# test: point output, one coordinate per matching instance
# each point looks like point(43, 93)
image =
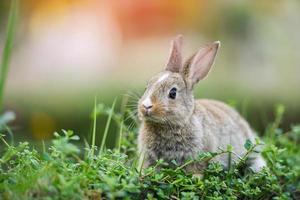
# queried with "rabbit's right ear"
point(174, 63)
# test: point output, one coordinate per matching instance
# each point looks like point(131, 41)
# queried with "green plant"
point(11, 26)
point(66, 171)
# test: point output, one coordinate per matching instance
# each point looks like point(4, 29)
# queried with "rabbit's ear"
point(198, 66)
point(174, 63)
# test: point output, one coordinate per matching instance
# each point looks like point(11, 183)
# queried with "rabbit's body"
point(212, 126)
point(177, 127)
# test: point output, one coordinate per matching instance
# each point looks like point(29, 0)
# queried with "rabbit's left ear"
point(198, 66)
point(174, 63)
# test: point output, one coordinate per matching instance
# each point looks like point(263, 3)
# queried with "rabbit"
point(175, 126)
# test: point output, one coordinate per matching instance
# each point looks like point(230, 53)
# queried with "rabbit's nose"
point(148, 107)
point(147, 104)
point(147, 111)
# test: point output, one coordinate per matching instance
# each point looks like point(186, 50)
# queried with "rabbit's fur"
point(178, 129)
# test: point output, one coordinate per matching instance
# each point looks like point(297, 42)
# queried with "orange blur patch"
point(42, 126)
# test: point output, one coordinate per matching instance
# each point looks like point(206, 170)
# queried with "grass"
point(107, 126)
point(65, 170)
point(6, 117)
point(11, 26)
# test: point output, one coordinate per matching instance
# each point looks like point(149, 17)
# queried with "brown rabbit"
point(175, 126)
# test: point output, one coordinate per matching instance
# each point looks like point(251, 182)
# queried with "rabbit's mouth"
point(151, 114)
point(152, 119)
point(147, 114)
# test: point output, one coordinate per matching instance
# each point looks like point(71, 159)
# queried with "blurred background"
point(66, 52)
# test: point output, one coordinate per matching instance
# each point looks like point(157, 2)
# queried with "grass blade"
point(94, 127)
point(120, 136)
point(107, 126)
point(11, 27)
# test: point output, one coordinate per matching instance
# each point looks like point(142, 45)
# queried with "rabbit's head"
point(168, 98)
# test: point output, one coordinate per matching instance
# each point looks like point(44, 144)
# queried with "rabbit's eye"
point(172, 93)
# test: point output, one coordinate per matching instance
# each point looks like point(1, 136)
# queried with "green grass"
point(65, 170)
point(7, 117)
point(6, 55)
